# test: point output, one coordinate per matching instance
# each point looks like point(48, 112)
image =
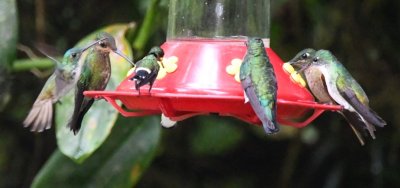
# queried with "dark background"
point(217, 151)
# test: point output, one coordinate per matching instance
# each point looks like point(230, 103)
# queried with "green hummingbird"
point(146, 69)
point(259, 83)
point(332, 83)
point(312, 74)
point(316, 84)
point(57, 85)
point(95, 74)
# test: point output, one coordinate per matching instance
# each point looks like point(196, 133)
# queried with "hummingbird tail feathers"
point(358, 134)
point(375, 119)
point(364, 110)
point(357, 125)
point(263, 108)
point(77, 118)
point(269, 126)
point(40, 117)
point(266, 115)
point(371, 129)
point(76, 123)
point(82, 105)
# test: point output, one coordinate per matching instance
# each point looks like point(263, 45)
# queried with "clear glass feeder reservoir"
point(204, 48)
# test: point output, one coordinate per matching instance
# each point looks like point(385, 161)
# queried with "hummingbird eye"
point(315, 59)
point(73, 55)
point(305, 55)
point(103, 44)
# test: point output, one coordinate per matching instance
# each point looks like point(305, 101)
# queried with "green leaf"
point(147, 26)
point(120, 162)
point(101, 117)
point(8, 42)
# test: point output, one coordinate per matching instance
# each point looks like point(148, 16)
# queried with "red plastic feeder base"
point(201, 85)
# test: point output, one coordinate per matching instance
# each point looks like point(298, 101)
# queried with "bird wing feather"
point(364, 110)
point(263, 113)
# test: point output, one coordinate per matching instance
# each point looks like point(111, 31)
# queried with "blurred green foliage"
point(220, 151)
point(119, 163)
point(8, 35)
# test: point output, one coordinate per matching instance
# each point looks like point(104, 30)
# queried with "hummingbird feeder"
point(203, 52)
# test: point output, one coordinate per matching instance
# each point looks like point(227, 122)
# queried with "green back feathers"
point(344, 79)
point(255, 47)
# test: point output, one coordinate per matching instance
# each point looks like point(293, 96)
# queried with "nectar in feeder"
point(207, 39)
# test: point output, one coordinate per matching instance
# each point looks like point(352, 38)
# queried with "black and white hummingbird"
point(147, 68)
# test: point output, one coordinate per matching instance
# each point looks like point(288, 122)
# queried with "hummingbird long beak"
point(304, 67)
point(161, 61)
point(92, 44)
point(118, 52)
point(296, 62)
point(302, 64)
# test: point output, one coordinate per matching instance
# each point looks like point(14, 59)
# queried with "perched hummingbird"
point(330, 82)
point(258, 80)
point(57, 85)
point(95, 74)
point(312, 74)
point(146, 70)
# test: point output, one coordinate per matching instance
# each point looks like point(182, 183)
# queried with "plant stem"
point(28, 64)
point(40, 20)
point(147, 26)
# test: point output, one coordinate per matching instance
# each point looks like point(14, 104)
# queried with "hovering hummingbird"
point(57, 85)
point(95, 74)
point(258, 80)
point(330, 82)
point(146, 70)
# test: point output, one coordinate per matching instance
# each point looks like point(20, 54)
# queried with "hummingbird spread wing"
point(64, 85)
point(40, 117)
point(41, 114)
